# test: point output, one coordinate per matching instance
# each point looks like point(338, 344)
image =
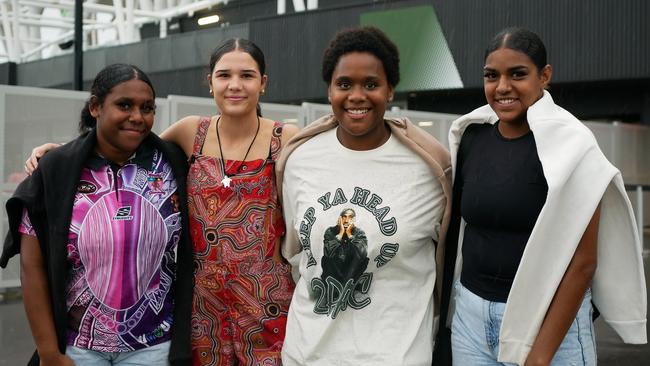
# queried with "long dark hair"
point(104, 82)
point(244, 45)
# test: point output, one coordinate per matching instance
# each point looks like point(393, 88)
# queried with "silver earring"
point(210, 91)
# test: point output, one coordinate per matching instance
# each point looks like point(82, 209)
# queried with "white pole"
point(146, 5)
point(4, 54)
point(16, 30)
point(298, 5)
point(6, 27)
point(119, 20)
point(282, 6)
point(158, 5)
point(312, 4)
point(163, 28)
point(130, 27)
point(33, 32)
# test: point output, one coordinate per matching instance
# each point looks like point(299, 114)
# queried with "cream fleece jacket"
point(579, 177)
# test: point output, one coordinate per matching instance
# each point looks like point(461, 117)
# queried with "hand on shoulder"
point(37, 153)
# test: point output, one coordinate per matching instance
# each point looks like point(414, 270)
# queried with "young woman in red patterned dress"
point(242, 286)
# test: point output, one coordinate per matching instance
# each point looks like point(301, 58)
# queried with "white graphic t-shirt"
point(366, 221)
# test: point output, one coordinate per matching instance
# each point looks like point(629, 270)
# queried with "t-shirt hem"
point(135, 347)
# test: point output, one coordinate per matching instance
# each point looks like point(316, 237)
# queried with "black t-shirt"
point(503, 191)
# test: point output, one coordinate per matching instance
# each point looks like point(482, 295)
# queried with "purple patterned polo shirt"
point(123, 235)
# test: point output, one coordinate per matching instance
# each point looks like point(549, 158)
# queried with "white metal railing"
point(33, 29)
point(30, 27)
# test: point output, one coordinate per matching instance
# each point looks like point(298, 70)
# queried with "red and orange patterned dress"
point(241, 294)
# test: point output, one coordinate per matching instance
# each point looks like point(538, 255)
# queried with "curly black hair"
point(362, 39)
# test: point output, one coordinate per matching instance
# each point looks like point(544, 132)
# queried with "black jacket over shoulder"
point(48, 196)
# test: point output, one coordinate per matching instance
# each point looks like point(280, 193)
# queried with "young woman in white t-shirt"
point(365, 202)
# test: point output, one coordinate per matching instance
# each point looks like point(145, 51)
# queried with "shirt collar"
point(142, 157)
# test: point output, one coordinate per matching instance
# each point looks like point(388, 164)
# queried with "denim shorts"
point(475, 333)
point(151, 356)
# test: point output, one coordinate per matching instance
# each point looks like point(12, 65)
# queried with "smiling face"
point(236, 83)
point(513, 83)
point(124, 119)
point(359, 93)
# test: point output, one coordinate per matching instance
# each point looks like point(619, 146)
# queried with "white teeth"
point(505, 101)
point(357, 111)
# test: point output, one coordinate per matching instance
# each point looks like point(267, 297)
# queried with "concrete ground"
point(16, 343)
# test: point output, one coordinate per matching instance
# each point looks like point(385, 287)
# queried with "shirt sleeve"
point(28, 194)
point(291, 246)
point(25, 226)
point(290, 242)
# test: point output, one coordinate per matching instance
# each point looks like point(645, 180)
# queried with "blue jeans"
point(477, 322)
point(150, 356)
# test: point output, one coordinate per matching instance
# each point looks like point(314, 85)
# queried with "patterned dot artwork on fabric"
point(242, 293)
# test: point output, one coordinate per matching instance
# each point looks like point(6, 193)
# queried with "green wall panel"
point(425, 60)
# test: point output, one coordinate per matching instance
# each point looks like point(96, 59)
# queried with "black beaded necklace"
point(226, 179)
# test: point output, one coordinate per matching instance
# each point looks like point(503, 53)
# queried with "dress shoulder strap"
point(201, 132)
point(276, 140)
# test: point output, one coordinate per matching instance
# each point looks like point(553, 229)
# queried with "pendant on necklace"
point(226, 181)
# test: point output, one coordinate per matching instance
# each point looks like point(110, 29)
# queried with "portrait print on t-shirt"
point(346, 277)
point(345, 250)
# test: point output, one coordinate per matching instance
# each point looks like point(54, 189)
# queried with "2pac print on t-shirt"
point(346, 277)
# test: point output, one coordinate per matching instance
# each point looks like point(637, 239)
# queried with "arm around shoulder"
point(182, 133)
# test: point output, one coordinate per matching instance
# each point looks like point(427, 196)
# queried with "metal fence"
point(32, 116)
